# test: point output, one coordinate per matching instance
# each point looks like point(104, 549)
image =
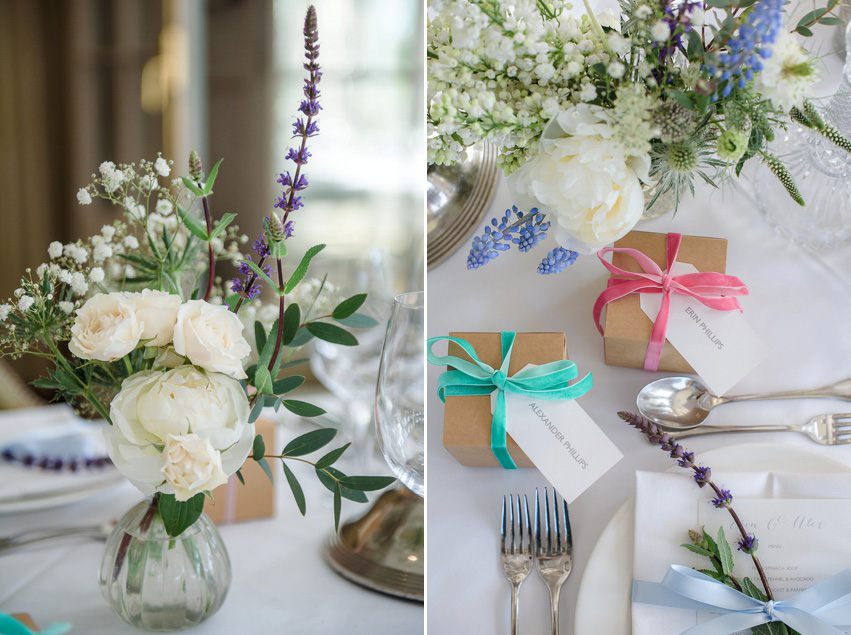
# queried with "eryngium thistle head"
point(196, 170)
point(276, 228)
point(732, 144)
point(682, 159)
point(673, 121)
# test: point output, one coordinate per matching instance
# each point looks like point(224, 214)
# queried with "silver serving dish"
point(457, 198)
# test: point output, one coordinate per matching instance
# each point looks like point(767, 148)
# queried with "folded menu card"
point(800, 520)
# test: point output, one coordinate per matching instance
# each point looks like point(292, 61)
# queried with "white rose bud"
point(106, 328)
point(157, 310)
point(191, 465)
point(211, 337)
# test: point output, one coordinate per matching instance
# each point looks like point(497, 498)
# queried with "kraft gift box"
point(467, 419)
point(626, 329)
point(235, 502)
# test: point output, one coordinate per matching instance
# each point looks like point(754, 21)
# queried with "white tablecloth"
point(799, 303)
point(281, 583)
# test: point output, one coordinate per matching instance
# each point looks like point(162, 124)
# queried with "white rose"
point(584, 179)
point(211, 337)
point(157, 311)
point(106, 328)
point(154, 405)
point(191, 465)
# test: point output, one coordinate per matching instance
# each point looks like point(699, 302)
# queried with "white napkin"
point(668, 505)
point(19, 483)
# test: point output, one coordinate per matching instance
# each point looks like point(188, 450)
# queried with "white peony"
point(589, 185)
point(153, 406)
point(106, 328)
point(210, 336)
point(786, 75)
point(191, 465)
point(157, 310)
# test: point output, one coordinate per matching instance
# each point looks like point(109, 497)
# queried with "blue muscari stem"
point(557, 261)
point(526, 231)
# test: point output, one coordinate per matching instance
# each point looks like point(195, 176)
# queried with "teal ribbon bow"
point(548, 382)
point(816, 611)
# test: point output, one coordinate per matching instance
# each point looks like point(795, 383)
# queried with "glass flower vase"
point(822, 172)
point(158, 583)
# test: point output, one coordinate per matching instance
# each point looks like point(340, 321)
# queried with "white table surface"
point(800, 304)
point(281, 583)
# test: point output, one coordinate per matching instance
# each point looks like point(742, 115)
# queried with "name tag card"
point(719, 345)
point(563, 442)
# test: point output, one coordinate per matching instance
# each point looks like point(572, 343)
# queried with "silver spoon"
point(683, 403)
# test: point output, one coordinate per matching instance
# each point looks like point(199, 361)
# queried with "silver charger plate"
point(457, 198)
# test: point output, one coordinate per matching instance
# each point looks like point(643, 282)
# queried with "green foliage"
point(346, 308)
point(302, 268)
point(309, 442)
point(176, 515)
point(358, 321)
point(332, 333)
point(302, 408)
point(259, 448)
point(292, 320)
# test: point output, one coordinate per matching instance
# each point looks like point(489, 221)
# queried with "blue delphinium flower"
point(747, 47)
point(557, 261)
point(724, 499)
point(533, 231)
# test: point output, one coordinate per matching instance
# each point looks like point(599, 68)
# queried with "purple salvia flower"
point(289, 228)
point(702, 475)
point(236, 285)
point(260, 247)
point(724, 499)
point(303, 127)
point(749, 544)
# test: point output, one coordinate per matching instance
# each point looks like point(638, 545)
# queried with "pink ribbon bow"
point(713, 290)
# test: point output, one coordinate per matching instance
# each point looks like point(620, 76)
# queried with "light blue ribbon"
point(547, 382)
point(816, 611)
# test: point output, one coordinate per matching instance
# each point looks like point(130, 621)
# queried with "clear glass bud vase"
point(162, 584)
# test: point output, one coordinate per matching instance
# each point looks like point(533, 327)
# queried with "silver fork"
point(830, 429)
point(30, 536)
point(554, 551)
point(516, 549)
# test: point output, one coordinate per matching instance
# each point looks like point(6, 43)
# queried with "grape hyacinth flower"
point(702, 476)
point(525, 231)
point(557, 261)
point(747, 47)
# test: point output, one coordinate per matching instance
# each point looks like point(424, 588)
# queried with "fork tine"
point(538, 544)
point(511, 516)
point(528, 525)
point(558, 544)
point(502, 533)
point(549, 522)
point(568, 534)
point(519, 526)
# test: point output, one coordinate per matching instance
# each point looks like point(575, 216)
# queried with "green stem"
point(59, 358)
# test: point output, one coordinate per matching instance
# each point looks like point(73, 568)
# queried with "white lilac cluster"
point(181, 427)
point(502, 72)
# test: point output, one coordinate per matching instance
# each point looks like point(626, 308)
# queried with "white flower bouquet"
point(589, 111)
point(141, 332)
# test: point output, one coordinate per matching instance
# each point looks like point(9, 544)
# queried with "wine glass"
point(400, 394)
point(350, 372)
